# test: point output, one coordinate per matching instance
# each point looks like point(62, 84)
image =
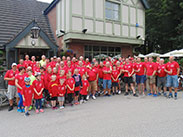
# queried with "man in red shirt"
point(21, 61)
point(100, 77)
point(140, 70)
point(107, 72)
point(12, 91)
point(81, 68)
point(151, 79)
point(119, 69)
point(172, 69)
point(92, 78)
point(128, 71)
point(161, 80)
point(33, 62)
point(27, 62)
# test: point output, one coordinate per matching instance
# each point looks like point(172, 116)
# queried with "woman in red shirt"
point(70, 83)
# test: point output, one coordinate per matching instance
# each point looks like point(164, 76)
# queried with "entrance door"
point(32, 52)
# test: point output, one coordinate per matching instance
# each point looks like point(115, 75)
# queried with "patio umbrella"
point(152, 55)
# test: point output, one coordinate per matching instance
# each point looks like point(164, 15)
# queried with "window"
point(112, 11)
point(101, 51)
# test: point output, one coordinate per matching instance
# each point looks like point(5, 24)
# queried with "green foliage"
point(164, 25)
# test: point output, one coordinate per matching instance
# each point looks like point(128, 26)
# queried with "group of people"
point(59, 81)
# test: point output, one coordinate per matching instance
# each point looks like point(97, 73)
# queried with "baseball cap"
point(37, 74)
point(54, 57)
point(27, 79)
point(14, 64)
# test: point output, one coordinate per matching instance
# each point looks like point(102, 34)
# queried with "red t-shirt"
point(129, 68)
point(27, 92)
point(20, 65)
point(71, 69)
point(21, 82)
point(172, 67)
point(27, 63)
point(38, 85)
point(61, 90)
point(161, 68)
point(70, 82)
point(33, 64)
point(115, 74)
point(151, 67)
point(140, 66)
point(11, 74)
point(47, 79)
point(100, 72)
point(36, 69)
point(53, 88)
point(82, 70)
point(92, 73)
point(85, 87)
point(119, 68)
point(108, 75)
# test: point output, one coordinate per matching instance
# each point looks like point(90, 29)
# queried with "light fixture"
point(35, 32)
point(84, 30)
point(62, 31)
point(138, 37)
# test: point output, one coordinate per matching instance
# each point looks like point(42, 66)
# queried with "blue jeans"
point(106, 83)
point(38, 103)
point(140, 79)
point(20, 103)
point(172, 81)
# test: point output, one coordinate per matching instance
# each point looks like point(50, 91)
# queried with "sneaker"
point(126, 93)
point(19, 110)
point(170, 95)
point(143, 94)
point(23, 110)
point(150, 94)
point(164, 94)
point(41, 110)
point(37, 111)
point(84, 101)
point(119, 92)
point(62, 107)
point(10, 108)
point(81, 102)
point(175, 96)
point(87, 97)
point(155, 95)
point(135, 95)
point(27, 114)
point(76, 103)
point(30, 108)
point(93, 97)
point(159, 94)
point(109, 95)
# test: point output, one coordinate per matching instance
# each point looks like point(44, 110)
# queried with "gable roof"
point(54, 2)
point(15, 15)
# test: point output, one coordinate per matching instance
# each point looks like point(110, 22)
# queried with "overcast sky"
point(48, 1)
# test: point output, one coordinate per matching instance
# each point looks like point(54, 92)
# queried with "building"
point(17, 17)
point(94, 27)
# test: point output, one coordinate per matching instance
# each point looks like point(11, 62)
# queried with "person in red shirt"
point(92, 74)
point(128, 71)
point(27, 62)
point(19, 82)
point(107, 72)
point(115, 80)
point(33, 62)
point(27, 95)
point(70, 83)
point(87, 62)
point(140, 70)
point(119, 69)
point(69, 68)
point(61, 92)
point(36, 68)
point(81, 68)
point(100, 77)
point(21, 61)
point(172, 70)
point(53, 90)
point(161, 80)
point(84, 89)
point(151, 68)
point(38, 87)
point(12, 91)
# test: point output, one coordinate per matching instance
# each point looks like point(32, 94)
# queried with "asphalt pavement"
point(116, 116)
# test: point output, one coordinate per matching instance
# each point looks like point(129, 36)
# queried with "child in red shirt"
point(61, 92)
point(38, 87)
point(115, 79)
point(27, 94)
point(53, 89)
point(84, 89)
point(70, 83)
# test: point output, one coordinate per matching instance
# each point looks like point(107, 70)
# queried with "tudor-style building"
point(17, 18)
point(94, 27)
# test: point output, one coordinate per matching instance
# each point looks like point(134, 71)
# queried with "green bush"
point(1, 53)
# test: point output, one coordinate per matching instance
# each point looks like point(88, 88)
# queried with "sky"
point(48, 1)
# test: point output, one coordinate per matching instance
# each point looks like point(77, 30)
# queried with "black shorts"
point(53, 98)
point(128, 80)
point(76, 93)
point(114, 84)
